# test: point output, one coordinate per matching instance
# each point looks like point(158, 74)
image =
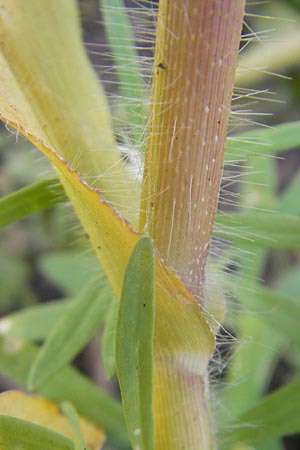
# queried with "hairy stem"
point(195, 58)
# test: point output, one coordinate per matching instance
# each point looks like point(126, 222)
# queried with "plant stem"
point(195, 58)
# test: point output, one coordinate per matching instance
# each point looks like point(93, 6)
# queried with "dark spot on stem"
point(161, 66)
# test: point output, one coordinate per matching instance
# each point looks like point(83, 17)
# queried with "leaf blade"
point(109, 342)
point(45, 413)
point(14, 432)
point(263, 141)
point(268, 230)
point(91, 402)
point(126, 64)
point(70, 334)
point(277, 310)
point(18, 325)
point(134, 344)
point(63, 93)
point(276, 415)
point(36, 197)
point(71, 414)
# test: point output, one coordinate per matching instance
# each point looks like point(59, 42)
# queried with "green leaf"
point(69, 269)
point(276, 415)
point(33, 323)
point(134, 344)
point(289, 282)
point(36, 197)
point(24, 435)
point(263, 141)
point(289, 199)
point(67, 385)
point(272, 445)
point(109, 341)
point(263, 229)
point(70, 412)
point(126, 63)
point(280, 311)
point(14, 275)
point(71, 333)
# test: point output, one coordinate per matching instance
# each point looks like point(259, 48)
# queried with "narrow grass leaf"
point(126, 63)
point(71, 414)
point(14, 275)
point(18, 433)
point(272, 445)
point(268, 230)
point(45, 413)
point(258, 316)
point(134, 344)
point(71, 333)
point(70, 270)
point(33, 323)
point(289, 199)
point(36, 197)
point(109, 341)
point(264, 141)
point(276, 415)
point(279, 311)
point(67, 385)
point(289, 282)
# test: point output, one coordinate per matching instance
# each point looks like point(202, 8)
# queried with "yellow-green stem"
point(195, 58)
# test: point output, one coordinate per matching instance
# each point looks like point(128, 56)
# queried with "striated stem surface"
point(195, 58)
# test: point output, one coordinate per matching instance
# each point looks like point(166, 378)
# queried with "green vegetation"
point(136, 312)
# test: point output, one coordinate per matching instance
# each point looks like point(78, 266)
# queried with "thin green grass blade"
point(261, 229)
point(126, 63)
point(289, 200)
point(134, 344)
point(272, 445)
point(36, 197)
point(14, 274)
point(276, 415)
point(70, 412)
point(24, 435)
point(264, 141)
point(289, 282)
point(70, 270)
point(279, 311)
point(71, 333)
point(289, 285)
point(252, 329)
point(33, 323)
point(109, 342)
point(67, 385)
